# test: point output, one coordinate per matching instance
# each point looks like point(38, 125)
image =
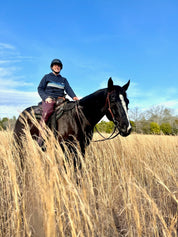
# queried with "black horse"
point(79, 118)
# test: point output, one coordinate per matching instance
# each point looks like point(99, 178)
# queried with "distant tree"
point(175, 126)
point(104, 126)
point(101, 126)
point(166, 128)
point(145, 127)
point(136, 116)
point(154, 128)
point(3, 123)
point(133, 126)
point(157, 114)
point(7, 123)
point(167, 116)
point(109, 127)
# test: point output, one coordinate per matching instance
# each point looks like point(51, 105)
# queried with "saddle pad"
point(59, 110)
point(64, 107)
point(38, 111)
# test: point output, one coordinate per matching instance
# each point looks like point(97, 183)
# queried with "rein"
point(106, 138)
point(115, 122)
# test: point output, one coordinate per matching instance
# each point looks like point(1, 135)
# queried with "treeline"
point(7, 123)
point(157, 120)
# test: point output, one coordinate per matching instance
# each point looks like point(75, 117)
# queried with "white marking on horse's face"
point(125, 109)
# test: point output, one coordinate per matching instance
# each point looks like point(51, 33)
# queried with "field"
point(127, 187)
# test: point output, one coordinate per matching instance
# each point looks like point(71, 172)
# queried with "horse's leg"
point(82, 147)
point(19, 135)
point(70, 151)
point(72, 147)
point(65, 154)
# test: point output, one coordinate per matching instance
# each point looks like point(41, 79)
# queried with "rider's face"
point(56, 68)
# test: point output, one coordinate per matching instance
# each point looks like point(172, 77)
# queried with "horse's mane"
point(93, 95)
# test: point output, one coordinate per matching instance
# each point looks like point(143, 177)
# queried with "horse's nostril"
point(125, 127)
point(129, 130)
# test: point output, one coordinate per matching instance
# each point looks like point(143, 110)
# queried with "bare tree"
point(157, 114)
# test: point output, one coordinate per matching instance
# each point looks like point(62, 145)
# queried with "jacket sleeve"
point(69, 90)
point(42, 87)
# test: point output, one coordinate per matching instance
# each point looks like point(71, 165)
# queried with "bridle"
point(109, 107)
point(114, 121)
point(107, 104)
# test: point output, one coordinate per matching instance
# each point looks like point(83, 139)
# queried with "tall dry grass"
point(127, 187)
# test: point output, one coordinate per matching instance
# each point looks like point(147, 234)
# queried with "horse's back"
point(20, 123)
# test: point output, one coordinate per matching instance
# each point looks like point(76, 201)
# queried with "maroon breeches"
point(48, 109)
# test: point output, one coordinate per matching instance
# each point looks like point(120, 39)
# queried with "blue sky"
point(95, 39)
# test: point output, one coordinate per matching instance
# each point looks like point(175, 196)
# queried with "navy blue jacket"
point(54, 86)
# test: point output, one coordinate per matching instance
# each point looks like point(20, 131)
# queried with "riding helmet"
point(58, 62)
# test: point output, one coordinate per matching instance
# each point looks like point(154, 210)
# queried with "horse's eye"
point(112, 99)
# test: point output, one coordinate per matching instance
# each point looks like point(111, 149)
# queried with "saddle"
point(61, 106)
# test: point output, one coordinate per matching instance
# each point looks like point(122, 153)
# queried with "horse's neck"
point(93, 106)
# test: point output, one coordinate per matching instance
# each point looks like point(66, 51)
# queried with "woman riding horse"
point(79, 118)
point(51, 88)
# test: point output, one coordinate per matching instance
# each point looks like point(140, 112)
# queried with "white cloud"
point(6, 46)
point(9, 111)
point(13, 97)
point(172, 104)
point(11, 83)
point(12, 102)
point(144, 99)
point(17, 97)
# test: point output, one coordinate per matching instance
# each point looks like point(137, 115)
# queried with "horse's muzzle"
point(124, 132)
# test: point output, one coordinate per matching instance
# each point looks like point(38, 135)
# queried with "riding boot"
point(48, 109)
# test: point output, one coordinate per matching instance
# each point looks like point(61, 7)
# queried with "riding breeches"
point(48, 109)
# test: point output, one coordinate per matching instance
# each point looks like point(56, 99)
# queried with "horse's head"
point(117, 103)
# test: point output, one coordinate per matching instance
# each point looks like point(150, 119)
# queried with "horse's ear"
point(110, 84)
point(125, 87)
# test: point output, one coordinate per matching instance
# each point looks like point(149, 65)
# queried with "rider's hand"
point(49, 100)
point(75, 98)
